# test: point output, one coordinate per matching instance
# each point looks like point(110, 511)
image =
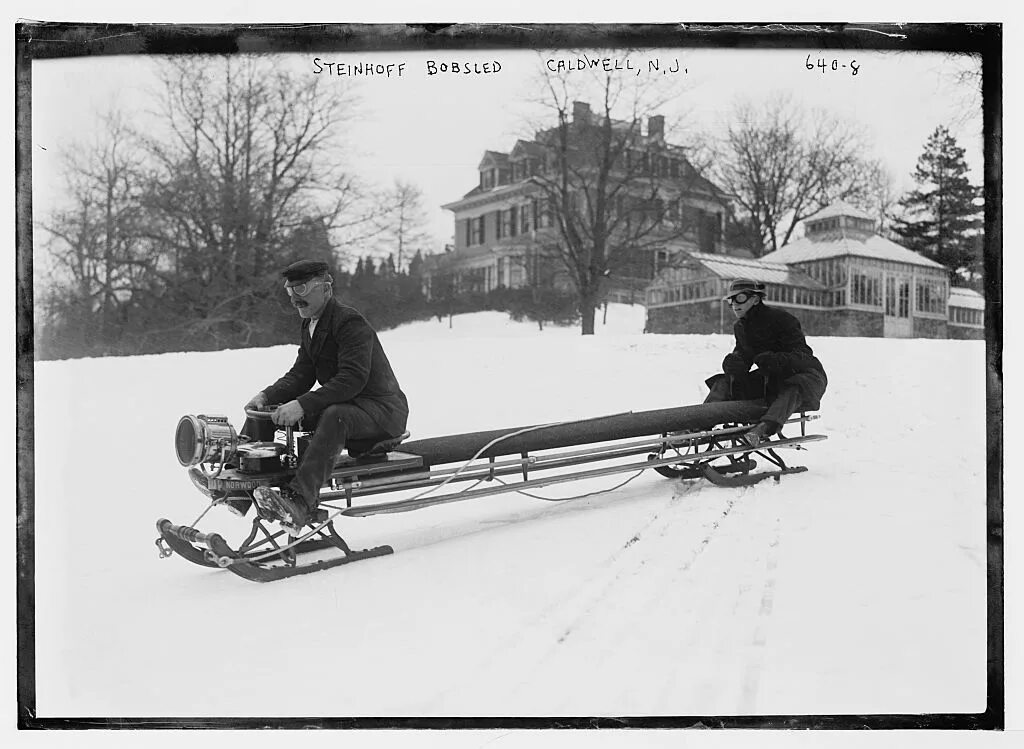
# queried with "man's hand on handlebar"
point(257, 403)
point(289, 414)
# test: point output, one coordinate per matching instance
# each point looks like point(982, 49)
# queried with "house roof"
point(494, 157)
point(968, 298)
point(527, 148)
point(840, 244)
point(730, 267)
point(492, 194)
point(840, 208)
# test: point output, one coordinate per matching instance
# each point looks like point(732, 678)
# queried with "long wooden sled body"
point(703, 442)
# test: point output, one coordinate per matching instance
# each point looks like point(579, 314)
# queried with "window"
point(525, 214)
point(673, 210)
point(657, 208)
point(546, 217)
point(710, 231)
point(865, 289)
point(507, 226)
point(478, 230)
point(834, 275)
point(931, 297)
point(964, 316)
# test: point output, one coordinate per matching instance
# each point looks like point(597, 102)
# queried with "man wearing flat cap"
point(788, 377)
point(358, 398)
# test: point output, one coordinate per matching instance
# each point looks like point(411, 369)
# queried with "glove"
point(257, 403)
point(288, 415)
point(771, 362)
point(734, 364)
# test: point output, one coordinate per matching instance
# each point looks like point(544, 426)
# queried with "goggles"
point(303, 289)
point(740, 298)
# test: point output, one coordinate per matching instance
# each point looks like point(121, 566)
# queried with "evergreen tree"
point(387, 267)
point(369, 270)
point(416, 267)
point(940, 218)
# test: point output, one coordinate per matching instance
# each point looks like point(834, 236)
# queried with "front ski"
point(265, 561)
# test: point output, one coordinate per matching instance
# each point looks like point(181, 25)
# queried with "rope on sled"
point(314, 530)
point(578, 496)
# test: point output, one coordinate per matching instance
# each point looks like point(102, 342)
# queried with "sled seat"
point(374, 450)
point(372, 456)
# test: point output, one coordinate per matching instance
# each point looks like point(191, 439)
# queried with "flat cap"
point(744, 286)
point(304, 270)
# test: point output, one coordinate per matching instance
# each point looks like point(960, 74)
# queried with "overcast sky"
point(431, 130)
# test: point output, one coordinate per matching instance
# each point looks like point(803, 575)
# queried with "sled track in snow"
point(541, 637)
point(755, 665)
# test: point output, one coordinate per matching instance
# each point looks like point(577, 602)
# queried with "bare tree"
point(963, 74)
point(783, 164)
point(611, 191)
point(98, 258)
point(402, 225)
point(240, 168)
point(246, 157)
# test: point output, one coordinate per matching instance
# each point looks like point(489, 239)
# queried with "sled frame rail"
point(550, 480)
point(348, 484)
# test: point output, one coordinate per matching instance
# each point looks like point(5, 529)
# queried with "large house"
point(505, 232)
point(840, 278)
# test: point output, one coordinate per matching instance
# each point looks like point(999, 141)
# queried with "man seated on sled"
point(788, 376)
point(358, 399)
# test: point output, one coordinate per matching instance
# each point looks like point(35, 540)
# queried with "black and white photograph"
point(510, 376)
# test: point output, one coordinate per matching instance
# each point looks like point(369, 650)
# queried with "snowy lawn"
point(858, 587)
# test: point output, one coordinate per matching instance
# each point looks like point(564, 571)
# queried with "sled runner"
point(702, 442)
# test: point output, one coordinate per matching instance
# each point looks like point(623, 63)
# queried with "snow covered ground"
point(856, 588)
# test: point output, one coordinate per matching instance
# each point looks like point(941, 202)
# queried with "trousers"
point(332, 429)
point(782, 401)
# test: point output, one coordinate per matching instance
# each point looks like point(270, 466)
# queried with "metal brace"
point(165, 550)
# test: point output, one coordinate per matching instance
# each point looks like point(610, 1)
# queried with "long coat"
point(345, 356)
point(770, 329)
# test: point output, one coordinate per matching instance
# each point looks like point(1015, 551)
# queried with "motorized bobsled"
point(705, 442)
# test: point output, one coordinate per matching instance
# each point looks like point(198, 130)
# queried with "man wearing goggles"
point(358, 399)
point(789, 378)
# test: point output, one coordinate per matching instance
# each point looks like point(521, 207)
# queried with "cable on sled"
point(701, 442)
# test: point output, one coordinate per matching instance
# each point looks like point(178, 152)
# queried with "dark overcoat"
point(345, 356)
point(767, 329)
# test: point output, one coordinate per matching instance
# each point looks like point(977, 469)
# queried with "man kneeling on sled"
point(789, 378)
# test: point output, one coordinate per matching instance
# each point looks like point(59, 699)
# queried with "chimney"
point(656, 127)
point(581, 112)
